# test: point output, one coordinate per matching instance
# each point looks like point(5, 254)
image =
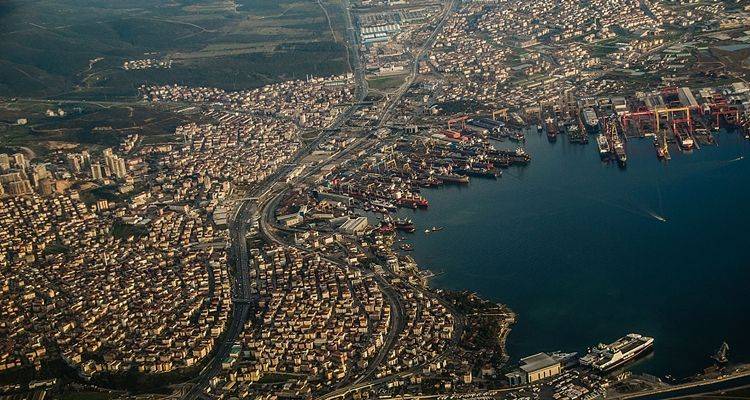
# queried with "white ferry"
point(608, 357)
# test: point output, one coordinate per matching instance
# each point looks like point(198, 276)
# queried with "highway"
point(242, 298)
point(415, 62)
point(268, 231)
point(267, 195)
point(397, 323)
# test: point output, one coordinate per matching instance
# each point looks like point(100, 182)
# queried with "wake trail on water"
point(661, 204)
point(638, 211)
point(658, 192)
point(629, 209)
point(656, 216)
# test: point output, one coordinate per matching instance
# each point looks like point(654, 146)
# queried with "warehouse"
point(534, 368)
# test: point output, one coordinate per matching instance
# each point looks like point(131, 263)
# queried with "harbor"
point(569, 223)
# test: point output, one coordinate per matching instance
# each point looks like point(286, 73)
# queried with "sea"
point(585, 252)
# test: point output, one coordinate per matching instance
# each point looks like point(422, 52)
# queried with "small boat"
point(517, 136)
point(385, 228)
point(405, 225)
point(437, 228)
point(383, 205)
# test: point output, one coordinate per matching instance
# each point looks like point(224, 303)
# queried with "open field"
point(75, 49)
point(88, 125)
point(386, 82)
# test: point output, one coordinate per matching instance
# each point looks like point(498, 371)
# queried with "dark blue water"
point(574, 247)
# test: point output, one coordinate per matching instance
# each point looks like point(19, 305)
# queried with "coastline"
point(521, 206)
point(744, 372)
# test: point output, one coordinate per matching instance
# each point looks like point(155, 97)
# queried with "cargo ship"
point(517, 136)
point(453, 178)
point(478, 172)
point(413, 202)
point(575, 135)
point(590, 120)
point(622, 156)
point(744, 125)
point(405, 225)
point(615, 143)
point(607, 357)
point(385, 228)
point(551, 130)
point(601, 142)
point(662, 151)
point(684, 139)
point(520, 156)
point(383, 205)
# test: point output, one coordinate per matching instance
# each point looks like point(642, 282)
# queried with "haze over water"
point(577, 248)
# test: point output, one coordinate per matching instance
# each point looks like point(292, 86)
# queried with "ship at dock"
point(590, 120)
point(615, 143)
point(601, 142)
point(453, 178)
point(414, 202)
point(517, 136)
point(478, 172)
point(576, 135)
point(405, 225)
point(607, 357)
point(552, 129)
point(620, 154)
point(683, 136)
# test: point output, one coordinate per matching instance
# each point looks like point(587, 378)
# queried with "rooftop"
point(537, 361)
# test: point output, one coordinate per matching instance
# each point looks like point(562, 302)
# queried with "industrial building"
point(355, 226)
point(533, 368)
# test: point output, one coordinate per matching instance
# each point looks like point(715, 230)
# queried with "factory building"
point(355, 226)
point(346, 200)
point(533, 368)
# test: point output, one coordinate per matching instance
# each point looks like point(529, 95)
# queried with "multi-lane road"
point(265, 196)
point(269, 231)
point(245, 212)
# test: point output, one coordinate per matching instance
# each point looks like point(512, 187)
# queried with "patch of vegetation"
point(87, 124)
point(56, 248)
point(87, 396)
point(108, 193)
point(124, 231)
point(604, 48)
point(53, 367)
point(275, 378)
point(74, 49)
point(386, 82)
point(137, 382)
point(486, 326)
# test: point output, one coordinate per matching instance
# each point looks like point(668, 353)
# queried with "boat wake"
point(740, 158)
point(657, 216)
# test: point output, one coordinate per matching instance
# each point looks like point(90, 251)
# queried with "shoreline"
point(454, 272)
point(697, 383)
